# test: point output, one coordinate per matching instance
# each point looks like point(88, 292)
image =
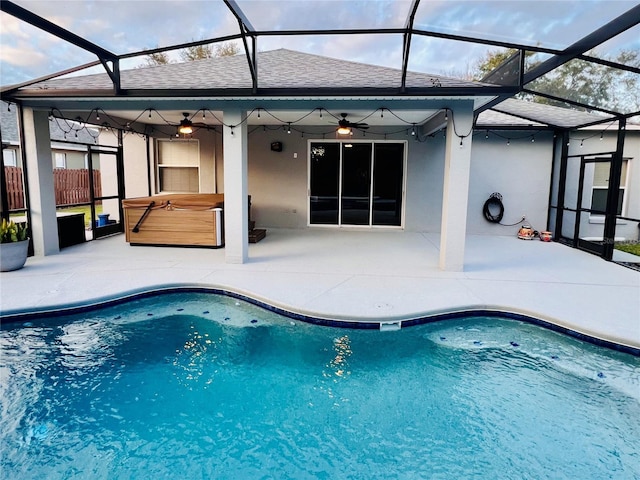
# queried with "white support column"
point(456, 188)
point(236, 204)
point(42, 198)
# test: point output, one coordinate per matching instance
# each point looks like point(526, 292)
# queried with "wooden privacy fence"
point(71, 186)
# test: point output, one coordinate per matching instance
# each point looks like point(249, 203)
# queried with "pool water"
point(190, 385)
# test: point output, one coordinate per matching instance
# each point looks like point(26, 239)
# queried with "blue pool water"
point(190, 385)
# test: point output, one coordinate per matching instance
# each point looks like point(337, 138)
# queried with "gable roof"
point(280, 68)
point(286, 70)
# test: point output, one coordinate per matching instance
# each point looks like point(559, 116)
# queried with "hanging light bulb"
point(413, 130)
point(382, 113)
point(486, 135)
point(320, 111)
point(289, 128)
point(258, 113)
point(581, 143)
point(533, 139)
point(601, 135)
point(508, 142)
point(149, 113)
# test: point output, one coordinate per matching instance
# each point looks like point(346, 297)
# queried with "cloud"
point(134, 25)
point(22, 57)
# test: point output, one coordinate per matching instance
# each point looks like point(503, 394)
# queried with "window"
point(178, 166)
point(356, 183)
point(600, 187)
point(59, 160)
point(9, 157)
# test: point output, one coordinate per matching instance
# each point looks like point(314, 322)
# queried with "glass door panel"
point(387, 183)
point(356, 183)
point(324, 171)
point(106, 203)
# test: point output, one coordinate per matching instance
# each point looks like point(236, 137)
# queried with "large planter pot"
point(13, 255)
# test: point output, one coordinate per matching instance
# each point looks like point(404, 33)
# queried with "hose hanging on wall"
point(493, 203)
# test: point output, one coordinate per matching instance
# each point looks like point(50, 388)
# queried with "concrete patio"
point(355, 275)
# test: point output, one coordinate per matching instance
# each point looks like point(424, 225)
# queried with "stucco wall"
point(519, 171)
point(277, 181)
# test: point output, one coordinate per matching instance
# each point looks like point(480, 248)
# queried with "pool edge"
point(614, 343)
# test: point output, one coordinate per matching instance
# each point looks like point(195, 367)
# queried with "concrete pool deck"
point(369, 275)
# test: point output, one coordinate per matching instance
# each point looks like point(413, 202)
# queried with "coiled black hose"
point(494, 201)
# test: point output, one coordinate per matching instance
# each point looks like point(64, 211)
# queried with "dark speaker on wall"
point(276, 146)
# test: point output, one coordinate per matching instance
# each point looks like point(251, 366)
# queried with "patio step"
point(257, 234)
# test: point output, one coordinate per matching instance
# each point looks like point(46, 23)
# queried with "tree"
point(158, 58)
point(577, 80)
point(196, 52)
point(227, 49)
point(199, 52)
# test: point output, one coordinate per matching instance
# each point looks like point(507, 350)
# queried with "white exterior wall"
point(278, 182)
point(520, 172)
point(135, 165)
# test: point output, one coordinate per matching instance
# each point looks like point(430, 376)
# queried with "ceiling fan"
point(345, 126)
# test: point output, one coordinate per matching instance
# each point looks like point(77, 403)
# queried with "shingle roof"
point(276, 69)
point(9, 125)
point(549, 114)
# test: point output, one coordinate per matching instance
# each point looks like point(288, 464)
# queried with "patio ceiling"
point(83, 33)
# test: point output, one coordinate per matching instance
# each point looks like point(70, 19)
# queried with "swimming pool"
point(192, 385)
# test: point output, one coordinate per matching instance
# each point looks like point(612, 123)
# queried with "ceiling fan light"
point(344, 130)
point(186, 126)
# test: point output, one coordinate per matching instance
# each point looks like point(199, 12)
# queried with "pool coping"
point(377, 323)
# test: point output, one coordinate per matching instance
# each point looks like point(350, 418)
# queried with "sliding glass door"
point(356, 183)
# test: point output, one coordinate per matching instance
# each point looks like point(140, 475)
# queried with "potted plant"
point(14, 245)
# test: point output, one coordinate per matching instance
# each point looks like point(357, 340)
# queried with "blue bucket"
point(103, 219)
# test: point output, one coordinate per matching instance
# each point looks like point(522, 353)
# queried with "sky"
point(135, 25)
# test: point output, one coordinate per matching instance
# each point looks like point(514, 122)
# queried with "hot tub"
point(175, 219)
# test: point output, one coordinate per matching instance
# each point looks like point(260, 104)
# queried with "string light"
point(581, 143)
point(601, 135)
point(287, 126)
point(533, 139)
point(508, 142)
